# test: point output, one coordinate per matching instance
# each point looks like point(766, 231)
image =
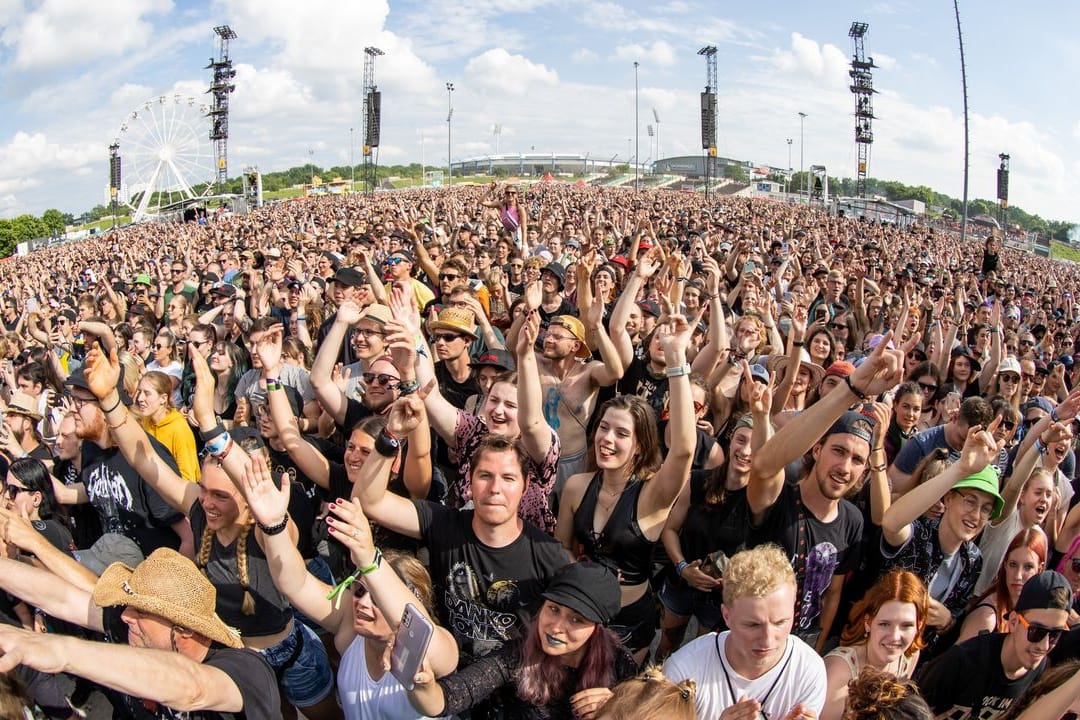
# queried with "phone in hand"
point(410, 646)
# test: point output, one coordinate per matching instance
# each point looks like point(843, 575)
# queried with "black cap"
point(854, 423)
point(224, 289)
point(649, 308)
point(77, 379)
point(1049, 590)
point(587, 588)
point(211, 277)
point(494, 358)
point(350, 277)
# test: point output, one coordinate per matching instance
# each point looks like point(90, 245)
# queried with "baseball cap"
point(853, 423)
point(494, 358)
point(1049, 590)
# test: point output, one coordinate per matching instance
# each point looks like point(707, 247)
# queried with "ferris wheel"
point(168, 157)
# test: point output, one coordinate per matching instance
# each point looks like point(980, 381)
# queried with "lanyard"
point(734, 698)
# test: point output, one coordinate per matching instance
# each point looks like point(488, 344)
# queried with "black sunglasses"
point(12, 491)
point(928, 387)
point(1036, 633)
point(383, 379)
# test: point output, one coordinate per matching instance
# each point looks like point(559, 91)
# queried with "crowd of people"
point(632, 454)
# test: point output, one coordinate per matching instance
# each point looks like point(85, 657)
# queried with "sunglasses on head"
point(1036, 633)
point(382, 378)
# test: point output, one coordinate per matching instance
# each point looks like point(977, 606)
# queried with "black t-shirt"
point(637, 380)
point(485, 595)
point(819, 550)
point(565, 308)
point(82, 519)
point(967, 682)
point(456, 393)
point(304, 499)
point(247, 668)
point(124, 502)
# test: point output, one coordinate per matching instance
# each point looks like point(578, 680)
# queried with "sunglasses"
point(1036, 633)
point(838, 326)
point(1029, 343)
point(1009, 425)
point(445, 337)
point(928, 387)
point(387, 381)
point(12, 491)
point(396, 260)
point(449, 276)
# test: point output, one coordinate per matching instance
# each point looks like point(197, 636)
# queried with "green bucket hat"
point(986, 480)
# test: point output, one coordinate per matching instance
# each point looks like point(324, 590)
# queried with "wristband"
point(879, 468)
point(376, 562)
point(301, 319)
point(221, 455)
point(218, 444)
point(1040, 446)
point(408, 388)
point(387, 445)
point(797, 344)
point(215, 431)
point(679, 371)
point(854, 390)
point(272, 384)
point(680, 567)
point(275, 529)
point(114, 406)
point(1054, 415)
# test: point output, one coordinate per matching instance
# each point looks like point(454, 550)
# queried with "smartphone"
point(410, 645)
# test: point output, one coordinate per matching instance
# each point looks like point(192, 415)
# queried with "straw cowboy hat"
point(23, 404)
point(777, 364)
point(456, 320)
point(168, 585)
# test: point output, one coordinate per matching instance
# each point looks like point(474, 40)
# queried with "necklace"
point(761, 702)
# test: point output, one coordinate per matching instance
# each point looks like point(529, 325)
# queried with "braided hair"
point(202, 560)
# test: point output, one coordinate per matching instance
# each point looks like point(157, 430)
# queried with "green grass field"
point(1064, 251)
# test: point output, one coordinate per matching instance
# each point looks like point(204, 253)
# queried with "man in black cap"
point(980, 678)
point(819, 529)
point(553, 304)
point(347, 283)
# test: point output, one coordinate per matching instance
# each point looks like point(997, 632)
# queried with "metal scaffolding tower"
point(862, 86)
point(708, 115)
point(221, 87)
point(372, 118)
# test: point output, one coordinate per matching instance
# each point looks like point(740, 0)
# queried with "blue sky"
point(557, 75)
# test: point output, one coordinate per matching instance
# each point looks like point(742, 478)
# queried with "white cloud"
point(264, 93)
point(60, 33)
point(659, 53)
point(27, 154)
point(826, 64)
point(499, 72)
point(883, 61)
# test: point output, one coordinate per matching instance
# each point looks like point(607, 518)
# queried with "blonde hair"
point(757, 572)
point(650, 696)
point(206, 543)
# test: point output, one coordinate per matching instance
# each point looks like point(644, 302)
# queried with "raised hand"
point(351, 528)
point(349, 313)
point(595, 317)
point(405, 415)
point(980, 448)
point(102, 373)
point(268, 348)
point(534, 295)
point(269, 504)
point(202, 401)
point(760, 393)
point(401, 344)
point(882, 370)
point(530, 331)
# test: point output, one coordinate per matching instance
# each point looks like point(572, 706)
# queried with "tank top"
point(621, 544)
point(851, 659)
point(365, 699)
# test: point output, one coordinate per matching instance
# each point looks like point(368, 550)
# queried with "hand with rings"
point(350, 526)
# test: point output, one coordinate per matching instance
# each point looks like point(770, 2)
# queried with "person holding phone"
point(362, 611)
point(564, 665)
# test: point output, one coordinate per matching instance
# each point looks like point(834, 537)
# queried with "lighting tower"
point(656, 116)
point(114, 177)
point(372, 118)
point(221, 87)
point(708, 114)
point(449, 117)
point(862, 86)
point(1003, 190)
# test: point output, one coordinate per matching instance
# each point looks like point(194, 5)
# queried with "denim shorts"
point(302, 667)
point(679, 598)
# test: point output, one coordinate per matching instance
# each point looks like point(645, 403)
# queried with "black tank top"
point(621, 544)
point(710, 527)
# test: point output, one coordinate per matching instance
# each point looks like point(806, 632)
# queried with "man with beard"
point(20, 421)
point(125, 503)
point(981, 678)
point(819, 530)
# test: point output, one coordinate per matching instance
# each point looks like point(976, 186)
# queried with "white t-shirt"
point(365, 699)
point(799, 677)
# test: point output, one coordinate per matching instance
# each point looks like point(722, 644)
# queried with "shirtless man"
point(571, 382)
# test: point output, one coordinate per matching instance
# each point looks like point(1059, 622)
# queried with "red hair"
point(1034, 539)
point(899, 585)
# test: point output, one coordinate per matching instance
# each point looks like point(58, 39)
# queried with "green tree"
point(54, 220)
point(8, 241)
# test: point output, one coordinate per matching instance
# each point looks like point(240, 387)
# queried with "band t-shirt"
point(968, 683)
point(247, 668)
point(125, 503)
point(819, 550)
point(485, 595)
